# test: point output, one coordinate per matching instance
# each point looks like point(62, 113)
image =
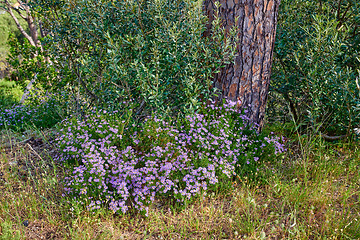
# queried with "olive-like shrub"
point(151, 51)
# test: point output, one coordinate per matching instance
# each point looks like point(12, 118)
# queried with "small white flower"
point(357, 130)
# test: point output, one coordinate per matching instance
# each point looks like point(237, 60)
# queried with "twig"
point(333, 138)
point(27, 89)
point(35, 152)
point(9, 145)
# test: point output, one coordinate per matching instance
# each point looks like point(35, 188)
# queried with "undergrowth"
point(311, 196)
point(115, 164)
point(309, 192)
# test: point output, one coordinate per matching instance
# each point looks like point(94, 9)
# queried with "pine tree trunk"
point(247, 80)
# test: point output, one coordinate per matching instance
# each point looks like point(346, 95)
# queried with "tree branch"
point(20, 14)
point(333, 138)
point(21, 29)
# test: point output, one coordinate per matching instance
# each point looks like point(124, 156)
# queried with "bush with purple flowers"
point(114, 163)
point(15, 116)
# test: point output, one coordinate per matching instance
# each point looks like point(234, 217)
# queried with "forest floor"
point(313, 192)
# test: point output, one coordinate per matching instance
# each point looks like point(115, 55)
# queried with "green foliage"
point(40, 111)
point(7, 26)
point(315, 64)
point(150, 52)
point(8, 232)
point(10, 93)
point(30, 63)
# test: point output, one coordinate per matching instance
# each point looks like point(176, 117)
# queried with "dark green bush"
point(315, 64)
point(152, 53)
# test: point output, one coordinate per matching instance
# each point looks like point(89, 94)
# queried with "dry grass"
point(313, 194)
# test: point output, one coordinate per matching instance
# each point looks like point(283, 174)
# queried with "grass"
point(10, 93)
point(311, 193)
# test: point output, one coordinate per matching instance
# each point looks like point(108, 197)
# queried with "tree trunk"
point(247, 80)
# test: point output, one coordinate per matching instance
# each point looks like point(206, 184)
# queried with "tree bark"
point(247, 80)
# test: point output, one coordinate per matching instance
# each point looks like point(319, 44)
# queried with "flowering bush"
point(15, 116)
point(113, 163)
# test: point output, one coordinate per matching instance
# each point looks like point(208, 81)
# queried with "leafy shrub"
point(10, 93)
point(111, 162)
point(40, 111)
point(315, 64)
point(29, 63)
point(150, 51)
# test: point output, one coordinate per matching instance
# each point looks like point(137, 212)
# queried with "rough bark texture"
point(247, 80)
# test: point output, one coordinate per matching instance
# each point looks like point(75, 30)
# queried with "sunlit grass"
point(10, 93)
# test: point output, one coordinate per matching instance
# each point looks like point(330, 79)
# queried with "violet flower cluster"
point(15, 116)
point(121, 166)
point(41, 114)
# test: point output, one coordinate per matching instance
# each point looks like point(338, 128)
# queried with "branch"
point(338, 10)
point(142, 105)
point(21, 29)
point(20, 14)
point(42, 32)
point(13, 144)
point(342, 18)
point(92, 95)
point(27, 89)
point(333, 138)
